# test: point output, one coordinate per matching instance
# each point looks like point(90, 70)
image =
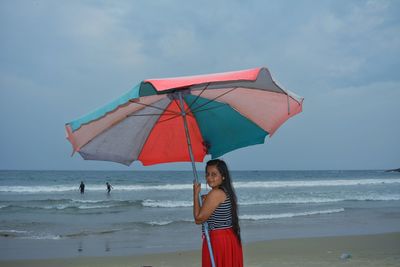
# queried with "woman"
point(220, 211)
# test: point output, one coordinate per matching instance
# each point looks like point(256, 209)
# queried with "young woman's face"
point(213, 176)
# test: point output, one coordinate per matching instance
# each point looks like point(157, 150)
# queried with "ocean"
point(43, 214)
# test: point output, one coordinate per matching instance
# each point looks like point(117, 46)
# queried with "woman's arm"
point(211, 202)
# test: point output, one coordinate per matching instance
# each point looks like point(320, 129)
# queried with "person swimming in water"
point(82, 187)
point(108, 187)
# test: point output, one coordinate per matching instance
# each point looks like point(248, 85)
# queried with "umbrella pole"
point(196, 179)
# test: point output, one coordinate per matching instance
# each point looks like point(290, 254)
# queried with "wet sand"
point(364, 250)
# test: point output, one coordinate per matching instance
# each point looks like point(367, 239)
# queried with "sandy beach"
point(365, 250)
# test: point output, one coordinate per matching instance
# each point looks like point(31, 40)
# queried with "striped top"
point(221, 218)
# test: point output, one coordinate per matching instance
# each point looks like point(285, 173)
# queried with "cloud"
point(66, 58)
point(344, 42)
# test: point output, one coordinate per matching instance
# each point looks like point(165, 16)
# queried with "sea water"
point(43, 214)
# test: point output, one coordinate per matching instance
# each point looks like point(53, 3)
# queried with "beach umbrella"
point(185, 118)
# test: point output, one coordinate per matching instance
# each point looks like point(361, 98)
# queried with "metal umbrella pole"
point(196, 179)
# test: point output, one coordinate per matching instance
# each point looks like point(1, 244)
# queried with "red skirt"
point(226, 248)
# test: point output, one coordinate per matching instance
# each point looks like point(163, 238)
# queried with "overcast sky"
point(62, 59)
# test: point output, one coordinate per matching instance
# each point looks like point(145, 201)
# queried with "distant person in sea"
point(82, 187)
point(220, 211)
point(109, 187)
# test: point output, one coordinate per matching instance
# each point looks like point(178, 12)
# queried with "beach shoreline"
point(357, 250)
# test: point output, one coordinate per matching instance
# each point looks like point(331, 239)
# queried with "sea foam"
point(257, 217)
point(169, 187)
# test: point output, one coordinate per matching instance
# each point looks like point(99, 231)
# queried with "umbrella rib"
point(139, 115)
point(201, 110)
point(155, 107)
point(194, 110)
point(197, 97)
point(176, 115)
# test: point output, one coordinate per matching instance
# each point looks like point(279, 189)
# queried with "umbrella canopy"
point(224, 112)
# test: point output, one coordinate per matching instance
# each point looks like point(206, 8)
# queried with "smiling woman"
point(219, 210)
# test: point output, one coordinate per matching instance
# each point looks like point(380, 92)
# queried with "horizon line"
point(188, 170)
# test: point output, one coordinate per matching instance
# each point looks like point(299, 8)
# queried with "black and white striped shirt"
point(221, 218)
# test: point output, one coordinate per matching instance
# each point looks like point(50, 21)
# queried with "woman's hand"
point(196, 189)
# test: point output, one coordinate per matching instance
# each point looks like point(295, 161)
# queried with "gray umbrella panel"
point(123, 141)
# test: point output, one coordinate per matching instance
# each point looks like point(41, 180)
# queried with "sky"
point(62, 59)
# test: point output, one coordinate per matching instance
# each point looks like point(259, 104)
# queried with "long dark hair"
point(228, 189)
